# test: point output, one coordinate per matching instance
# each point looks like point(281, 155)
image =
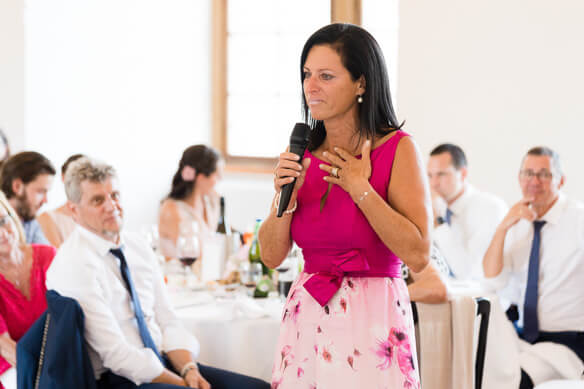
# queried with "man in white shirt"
point(134, 337)
point(541, 243)
point(464, 218)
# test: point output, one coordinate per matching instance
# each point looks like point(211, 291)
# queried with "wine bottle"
point(223, 227)
point(263, 288)
point(254, 250)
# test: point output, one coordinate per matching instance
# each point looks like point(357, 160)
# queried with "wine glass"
point(150, 233)
point(251, 274)
point(188, 248)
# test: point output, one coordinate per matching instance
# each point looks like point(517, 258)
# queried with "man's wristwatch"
point(188, 367)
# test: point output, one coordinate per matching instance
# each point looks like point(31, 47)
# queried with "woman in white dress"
point(192, 198)
point(58, 223)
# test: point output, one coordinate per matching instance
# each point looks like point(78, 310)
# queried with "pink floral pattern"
point(385, 353)
point(363, 338)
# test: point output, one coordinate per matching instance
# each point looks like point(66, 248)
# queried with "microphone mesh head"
point(300, 134)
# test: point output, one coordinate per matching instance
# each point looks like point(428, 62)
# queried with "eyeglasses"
point(542, 175)
point(4, 220)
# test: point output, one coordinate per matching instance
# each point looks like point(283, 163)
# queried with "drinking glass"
point(251, 274)
point(188, 247)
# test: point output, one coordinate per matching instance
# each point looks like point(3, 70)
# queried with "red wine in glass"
point(188, 261)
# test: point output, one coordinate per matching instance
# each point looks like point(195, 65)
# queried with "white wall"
point(12, 71)
point(247, 197)
point(496, 77)
point(127, 81)
point(123, 81)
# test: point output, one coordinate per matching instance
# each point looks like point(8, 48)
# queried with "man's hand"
point(521, 210)
point(194, 379)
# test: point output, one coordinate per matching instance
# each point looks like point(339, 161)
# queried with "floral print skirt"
point(363, 338)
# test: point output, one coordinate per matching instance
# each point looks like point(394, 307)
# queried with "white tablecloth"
point(236, 332)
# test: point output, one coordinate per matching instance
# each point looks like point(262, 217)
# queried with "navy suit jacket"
point(66, 363)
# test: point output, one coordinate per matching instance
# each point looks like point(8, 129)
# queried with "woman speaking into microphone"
point(360, 206)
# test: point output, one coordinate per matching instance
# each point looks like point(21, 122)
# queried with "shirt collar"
point(553, 214)
point(460, 203)
point(97, 243)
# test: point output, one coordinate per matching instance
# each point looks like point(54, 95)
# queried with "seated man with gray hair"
point(539, 247)
point(134, 337)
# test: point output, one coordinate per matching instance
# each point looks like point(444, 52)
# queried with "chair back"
point(446, 342)
point(53, 353)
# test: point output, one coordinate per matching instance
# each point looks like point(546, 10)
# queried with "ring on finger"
point(335, 172)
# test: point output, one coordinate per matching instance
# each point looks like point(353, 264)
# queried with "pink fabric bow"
point(188, 173)
point(329, 272)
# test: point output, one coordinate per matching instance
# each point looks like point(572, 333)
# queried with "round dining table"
point(236, 332)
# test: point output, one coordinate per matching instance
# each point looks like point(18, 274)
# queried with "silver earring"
point(359, 99)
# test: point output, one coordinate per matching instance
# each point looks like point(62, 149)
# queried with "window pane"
point(245, 75)
point(265, 40)
point(244, 16)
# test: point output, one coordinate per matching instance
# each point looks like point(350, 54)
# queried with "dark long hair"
point(200, 157)
point(361, 56)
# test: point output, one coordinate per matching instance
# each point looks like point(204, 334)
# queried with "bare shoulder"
point(168, 219)
point(44, 218)
point(408, 159)
point(168, 208)
point(408, 190)
point(407, 147)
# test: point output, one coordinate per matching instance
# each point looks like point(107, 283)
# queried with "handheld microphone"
point(298, 142)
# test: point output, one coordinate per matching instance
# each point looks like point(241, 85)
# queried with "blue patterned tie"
point(530, 321)
point(448, 217)
point(142, 328)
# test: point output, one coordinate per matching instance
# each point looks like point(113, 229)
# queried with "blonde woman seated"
point(23, 269)
point(192, 200)
point(58, 223)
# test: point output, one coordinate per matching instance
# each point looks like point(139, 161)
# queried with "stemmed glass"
point(150, 232)
point(251, 274)
point(188, 248)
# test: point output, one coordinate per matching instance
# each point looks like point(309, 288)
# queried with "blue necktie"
point(142, 328)
point(530, 321)
point(448, 217)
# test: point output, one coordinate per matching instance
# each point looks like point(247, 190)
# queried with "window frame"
point(348, 11)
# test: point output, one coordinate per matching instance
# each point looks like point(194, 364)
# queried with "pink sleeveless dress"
point(347, 322)
point(18, 313)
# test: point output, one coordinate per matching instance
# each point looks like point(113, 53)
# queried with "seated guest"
point(429, 285)
point(25, 179)
point(192, 198)
point(58, 223)
point(464, 217)
point(541, 243)
point(22, 284)
point(133, 335)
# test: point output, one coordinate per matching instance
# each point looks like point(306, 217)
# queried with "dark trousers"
point(526, 382)
point(572, 339)
point(218, 378)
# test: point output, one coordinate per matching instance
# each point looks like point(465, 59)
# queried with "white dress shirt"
point(475, 217)
point(85, 270)
point(560, 305)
